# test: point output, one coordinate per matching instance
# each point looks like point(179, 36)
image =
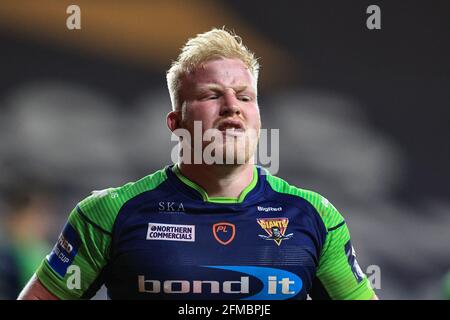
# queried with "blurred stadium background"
point(363, 117)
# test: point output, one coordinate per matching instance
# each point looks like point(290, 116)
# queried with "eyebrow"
point(217, 87)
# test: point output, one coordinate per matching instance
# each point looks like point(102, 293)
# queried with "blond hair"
point(214, 44)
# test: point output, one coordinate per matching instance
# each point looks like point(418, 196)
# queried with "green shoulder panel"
point(90, 224)
point(102, 207)
point(330, 216)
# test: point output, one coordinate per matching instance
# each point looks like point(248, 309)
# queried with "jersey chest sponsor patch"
point(222, 282)
point(171, 232)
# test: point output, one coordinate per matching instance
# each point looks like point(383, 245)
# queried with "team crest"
point(275, 228)
point(224, 232)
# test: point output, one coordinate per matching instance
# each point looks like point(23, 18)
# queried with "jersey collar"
point(193, 189)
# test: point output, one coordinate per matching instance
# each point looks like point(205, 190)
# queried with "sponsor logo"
point(168, 206)
point(261, 283)
point(171, 232)
point(275, 229)
point(64, 244)
point(351, 258)
point(65, 250)
point(269, 209)
point(224, 232)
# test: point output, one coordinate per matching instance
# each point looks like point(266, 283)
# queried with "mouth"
point(231, 127)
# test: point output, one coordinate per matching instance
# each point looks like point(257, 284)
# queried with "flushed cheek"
point(253, 119)
point(202, 114)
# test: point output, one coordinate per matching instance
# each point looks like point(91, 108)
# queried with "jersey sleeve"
point(74, 268)
point(339, 276)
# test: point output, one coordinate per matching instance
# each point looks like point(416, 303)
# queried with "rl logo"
point(224, 232)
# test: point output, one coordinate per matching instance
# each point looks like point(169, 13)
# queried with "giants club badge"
point(224, 232)
point(275, 228)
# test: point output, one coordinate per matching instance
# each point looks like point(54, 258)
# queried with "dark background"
point(363, 114)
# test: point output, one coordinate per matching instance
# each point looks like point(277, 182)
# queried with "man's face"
point(221, 94)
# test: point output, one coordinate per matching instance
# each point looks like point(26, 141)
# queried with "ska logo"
point(275, 228)
point(224, 232)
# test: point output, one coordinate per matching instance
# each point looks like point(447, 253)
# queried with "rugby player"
point(197, 229)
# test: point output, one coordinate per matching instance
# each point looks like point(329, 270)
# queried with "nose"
point(229, 105)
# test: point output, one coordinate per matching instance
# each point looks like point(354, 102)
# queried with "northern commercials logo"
point(275, 228)
point(171, 232)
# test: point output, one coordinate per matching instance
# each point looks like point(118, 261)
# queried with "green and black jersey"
point(163, 237)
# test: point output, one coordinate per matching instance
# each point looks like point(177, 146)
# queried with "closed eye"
point(245, 98)
point(210, 97)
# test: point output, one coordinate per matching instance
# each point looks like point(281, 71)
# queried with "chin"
point(232, 152)
point(237, 155)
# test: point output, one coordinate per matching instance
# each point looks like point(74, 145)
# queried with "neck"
point(219, 180)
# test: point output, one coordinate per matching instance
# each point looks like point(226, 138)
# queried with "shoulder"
point(326, 210)
point(102, 206)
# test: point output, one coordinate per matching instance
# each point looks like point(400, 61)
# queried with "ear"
point(173, 120)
